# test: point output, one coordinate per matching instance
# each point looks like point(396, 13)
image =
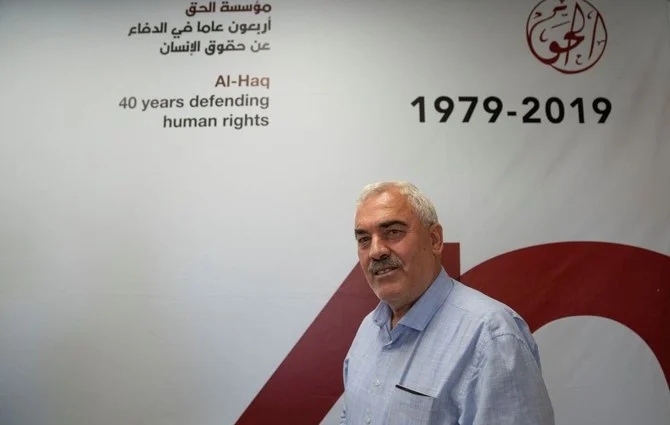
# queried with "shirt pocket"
point(407, 408)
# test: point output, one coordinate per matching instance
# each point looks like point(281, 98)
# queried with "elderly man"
point(433, 351)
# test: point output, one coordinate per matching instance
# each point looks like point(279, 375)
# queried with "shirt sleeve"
point(507, 387)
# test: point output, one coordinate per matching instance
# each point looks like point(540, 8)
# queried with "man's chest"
point(404, 384)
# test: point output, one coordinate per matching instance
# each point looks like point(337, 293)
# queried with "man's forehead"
point(383, 208)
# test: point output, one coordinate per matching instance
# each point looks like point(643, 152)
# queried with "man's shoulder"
point(368, 324)
point(473, 301)
point(369, 319)
point(491, 316)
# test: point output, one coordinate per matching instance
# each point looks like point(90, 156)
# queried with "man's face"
point(397, 253)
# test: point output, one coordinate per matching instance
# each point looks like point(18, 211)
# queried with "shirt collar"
point(423, 310)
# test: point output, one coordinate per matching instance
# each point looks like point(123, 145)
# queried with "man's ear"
point(436, 238)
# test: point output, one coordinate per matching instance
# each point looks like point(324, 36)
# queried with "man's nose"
point(378, 248)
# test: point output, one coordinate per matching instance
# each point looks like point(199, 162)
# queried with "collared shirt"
point(456, 357)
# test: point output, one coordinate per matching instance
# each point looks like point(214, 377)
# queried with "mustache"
point(384, 263)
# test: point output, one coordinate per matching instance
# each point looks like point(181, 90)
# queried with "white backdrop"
point(160, 275)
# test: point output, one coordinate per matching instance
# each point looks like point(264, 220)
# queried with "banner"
point(178, 185)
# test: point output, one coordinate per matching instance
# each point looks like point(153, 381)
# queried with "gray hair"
point(423, 206)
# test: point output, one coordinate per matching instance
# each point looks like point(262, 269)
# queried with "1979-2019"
point(532, 110)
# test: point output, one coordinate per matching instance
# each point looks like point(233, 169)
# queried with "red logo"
point(568, 35)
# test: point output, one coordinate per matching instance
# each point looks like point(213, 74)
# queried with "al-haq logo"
point(568, 35)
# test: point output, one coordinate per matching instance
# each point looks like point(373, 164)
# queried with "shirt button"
point(368, 420)
point(377, 383)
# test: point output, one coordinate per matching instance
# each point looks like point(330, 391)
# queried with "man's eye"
point(394, 232)
point(363, 240)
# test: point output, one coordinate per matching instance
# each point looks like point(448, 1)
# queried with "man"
point(433, 351)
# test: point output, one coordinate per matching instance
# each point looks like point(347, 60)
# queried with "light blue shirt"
point(458, 356)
